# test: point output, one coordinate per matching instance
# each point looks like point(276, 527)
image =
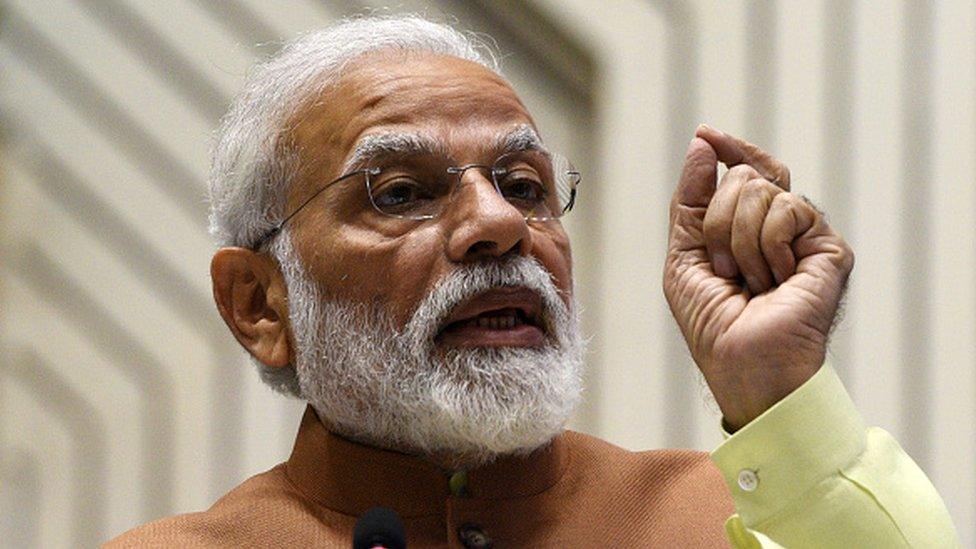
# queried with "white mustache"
point(470, 280)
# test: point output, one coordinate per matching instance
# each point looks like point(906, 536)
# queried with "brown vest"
point(577, 492)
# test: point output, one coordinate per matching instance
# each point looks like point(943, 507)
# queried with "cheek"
point(418, 262)
point(551, 247)
point(367, 266)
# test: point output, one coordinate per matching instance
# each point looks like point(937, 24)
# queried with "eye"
point(397, 194)
point(523, 186)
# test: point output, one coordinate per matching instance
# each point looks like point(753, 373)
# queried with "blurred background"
point(123, 398)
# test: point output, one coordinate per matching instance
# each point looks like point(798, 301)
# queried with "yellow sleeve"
point(809, 473)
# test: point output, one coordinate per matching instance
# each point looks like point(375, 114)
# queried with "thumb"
point(692, 195)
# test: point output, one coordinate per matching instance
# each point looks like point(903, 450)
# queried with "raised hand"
point(754, 275)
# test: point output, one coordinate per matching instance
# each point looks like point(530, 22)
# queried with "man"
point(393, 255)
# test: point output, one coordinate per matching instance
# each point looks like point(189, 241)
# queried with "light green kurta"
point(809, 473)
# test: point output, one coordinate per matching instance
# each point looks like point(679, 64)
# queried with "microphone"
point(379, 528)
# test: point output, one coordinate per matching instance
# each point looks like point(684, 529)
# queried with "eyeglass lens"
point(541, 186)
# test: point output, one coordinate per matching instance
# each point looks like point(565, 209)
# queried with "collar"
point(350, 478)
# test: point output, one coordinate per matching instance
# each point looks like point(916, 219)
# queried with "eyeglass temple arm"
point(281, 224)
point(572, 192)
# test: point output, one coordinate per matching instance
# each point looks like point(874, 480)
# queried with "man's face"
point(358, 255)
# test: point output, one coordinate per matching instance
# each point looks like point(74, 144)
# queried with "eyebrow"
point(387, 144)
point(522, 138)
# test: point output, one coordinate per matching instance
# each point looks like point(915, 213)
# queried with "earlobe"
point(250, 295)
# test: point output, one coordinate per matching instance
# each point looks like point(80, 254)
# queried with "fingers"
point(742, 225)
point(692, 196)
point(755, 200)
point(697, 183)
point(719, 218)
point(789, 216)
point(733, 151)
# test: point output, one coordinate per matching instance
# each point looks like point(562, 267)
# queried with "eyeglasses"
point(542, 186)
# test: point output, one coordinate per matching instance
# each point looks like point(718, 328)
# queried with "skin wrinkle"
point(393, 265)
point(476, 403)
point(356, 123)
point(380, 104)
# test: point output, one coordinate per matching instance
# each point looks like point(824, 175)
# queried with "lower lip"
point(477, 336)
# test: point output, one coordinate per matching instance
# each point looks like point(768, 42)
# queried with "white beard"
point(390, 388)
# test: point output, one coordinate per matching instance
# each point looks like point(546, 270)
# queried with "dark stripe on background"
point(761, 87)
point(682, 385)
point(156, 52)
point(125, 353)
point(64, 186)
point(21, 514)
point(85, 429)
point(174, 178)
point(247, 28)
point(915, 261)
point(525, 31)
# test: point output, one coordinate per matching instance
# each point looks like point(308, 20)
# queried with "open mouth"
point(500, 317)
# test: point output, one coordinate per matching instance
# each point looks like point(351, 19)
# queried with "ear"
point(252, 299)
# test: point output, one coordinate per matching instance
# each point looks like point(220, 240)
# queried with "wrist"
point(744, 396)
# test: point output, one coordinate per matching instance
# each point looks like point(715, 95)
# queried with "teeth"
point(497, 322)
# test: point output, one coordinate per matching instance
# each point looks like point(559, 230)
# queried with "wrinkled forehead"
point(428, 97)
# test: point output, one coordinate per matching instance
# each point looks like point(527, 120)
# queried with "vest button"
point(473, 537)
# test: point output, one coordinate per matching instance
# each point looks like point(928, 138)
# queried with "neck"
point(447, 461)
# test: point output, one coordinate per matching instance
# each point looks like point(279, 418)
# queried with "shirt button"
point(748, 480)
point(473, 537)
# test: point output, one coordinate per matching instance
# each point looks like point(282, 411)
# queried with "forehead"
point(462, 104)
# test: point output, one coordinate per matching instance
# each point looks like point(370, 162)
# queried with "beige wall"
point(123, 398)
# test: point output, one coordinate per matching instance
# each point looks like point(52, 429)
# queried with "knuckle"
point(847, 256)
point(754, 186)
point(785, 200)
point(742, 172)
point(784, 173)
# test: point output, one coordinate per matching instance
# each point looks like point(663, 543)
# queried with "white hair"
point(391, 387)
point(252, 168)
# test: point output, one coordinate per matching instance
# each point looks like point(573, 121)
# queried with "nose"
point(484, 224)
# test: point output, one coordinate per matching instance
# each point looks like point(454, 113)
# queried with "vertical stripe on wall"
point(915, 260)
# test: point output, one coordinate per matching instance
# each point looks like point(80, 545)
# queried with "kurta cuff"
point(778, 457)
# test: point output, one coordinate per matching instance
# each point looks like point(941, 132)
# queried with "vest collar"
point(350, 478)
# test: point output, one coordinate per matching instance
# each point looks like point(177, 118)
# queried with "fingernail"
point(723, 265)
point(705, 127)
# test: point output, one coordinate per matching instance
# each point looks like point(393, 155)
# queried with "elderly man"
point(393, 255)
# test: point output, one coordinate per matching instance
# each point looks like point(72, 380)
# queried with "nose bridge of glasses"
point(480, 169)
point(471, 174)
point(471, 181)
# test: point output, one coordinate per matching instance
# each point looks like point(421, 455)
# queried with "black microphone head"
point(380, 527)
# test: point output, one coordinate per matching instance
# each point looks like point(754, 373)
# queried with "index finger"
point(733, 151)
